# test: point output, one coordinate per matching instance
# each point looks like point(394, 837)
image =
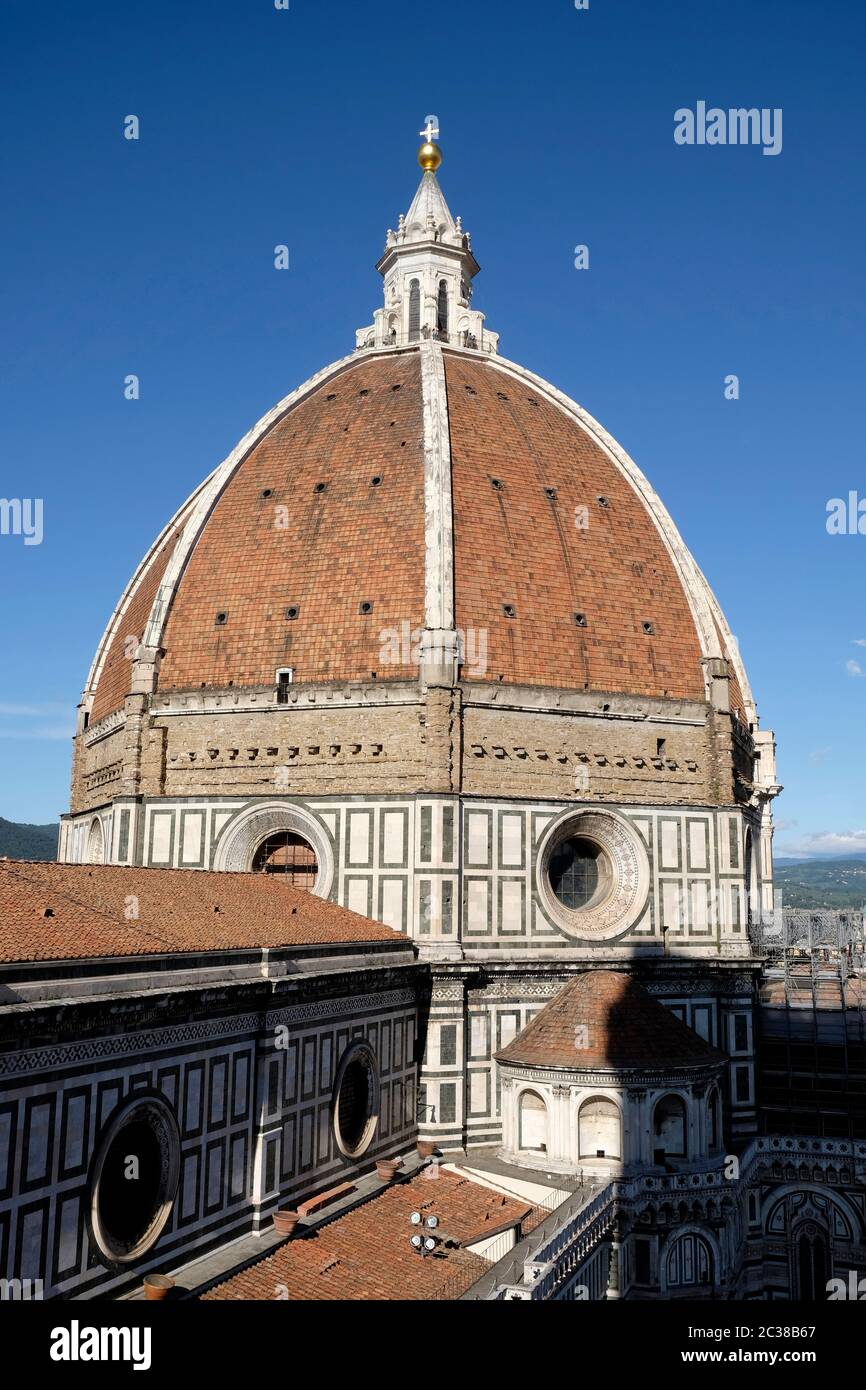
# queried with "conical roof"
point(604, 1019)
point(430, 200)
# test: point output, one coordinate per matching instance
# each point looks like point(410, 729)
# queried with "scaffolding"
point(812, 1022)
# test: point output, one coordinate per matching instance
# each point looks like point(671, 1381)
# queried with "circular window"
point(355, 1104)
point(134, 1178)
point(592, 874)
point(288, 853)
point(579, 872)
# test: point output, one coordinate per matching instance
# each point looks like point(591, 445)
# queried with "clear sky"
point(261, 126)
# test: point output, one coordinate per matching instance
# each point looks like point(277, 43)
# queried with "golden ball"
point(429, 156)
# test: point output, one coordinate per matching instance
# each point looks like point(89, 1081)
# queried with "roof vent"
point(501, 396)
point(376, 480)
point(497, 484)
point(364, 392)
point(648, 627)
point(320, 487)
point(49, 912)
point(580, 619)
point(365, 607)
point(470, 391)
point(602, 501)
point(293, 611)
point(397, 386)
point(266, 492)
point(509, 610)
point(221, 618)
point(550, 494)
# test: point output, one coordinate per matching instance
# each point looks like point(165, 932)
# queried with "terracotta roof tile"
point(299, 526)
point(615, 570)
point(324, 552)
point(366, 1255)
point(620, 1024)
point(70, 911)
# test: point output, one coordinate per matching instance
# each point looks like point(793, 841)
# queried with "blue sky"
point(261, 126)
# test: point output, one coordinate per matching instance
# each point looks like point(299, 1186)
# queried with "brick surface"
point(69, 911)
point(366, 1254)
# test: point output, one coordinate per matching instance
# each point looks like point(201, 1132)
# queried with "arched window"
point(812, 1264)
point(753, 904)
point(598, 1129)
point(533, 1122)
point(442, 307)
point(714, 1122)
point(284, 852)
point(414, 310)
point(95, 843)
point(690, 1261)
point(669, 1128)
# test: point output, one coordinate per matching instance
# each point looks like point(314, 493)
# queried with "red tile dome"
point(313, 537)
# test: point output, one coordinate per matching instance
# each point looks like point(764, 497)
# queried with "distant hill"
point(834, 883)
point(28, 841)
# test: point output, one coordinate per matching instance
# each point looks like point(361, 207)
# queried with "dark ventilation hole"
point(498, 484)
point(531, 400)
point(376, 480)
point(501, 396)
point(266, 492)
point(292, 612)
point(49, 912)
point(365, 607)
point(509, 610)
point(402, 444)
point(648, 628)
point(580, 619)
point(605, 708)
point(126, 1209)
point(364, 392)
point(602, 501)
point(661, 744)
point(397, 387)
point(320, 487)
point(332, 396)
point(470, 391)
point(550, 494)
point(221, 618)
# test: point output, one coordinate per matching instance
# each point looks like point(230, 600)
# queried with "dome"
point(605, 1020)
point(422, 493)
point(311, 541)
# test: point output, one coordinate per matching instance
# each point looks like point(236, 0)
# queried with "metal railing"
point(502, 1248)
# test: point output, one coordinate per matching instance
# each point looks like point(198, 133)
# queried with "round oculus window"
point(592, 874)
point(134, 1178)
point(579, 873)
point(355, 1104)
